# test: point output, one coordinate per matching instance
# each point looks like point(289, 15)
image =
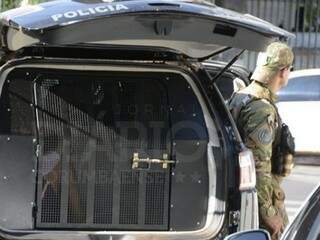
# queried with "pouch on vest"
point(281, 161)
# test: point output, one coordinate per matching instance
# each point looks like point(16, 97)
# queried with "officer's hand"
point(275, 225)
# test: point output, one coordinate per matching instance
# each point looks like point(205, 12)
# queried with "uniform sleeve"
point(258, 130)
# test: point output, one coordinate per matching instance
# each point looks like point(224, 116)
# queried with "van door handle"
point(164, 4)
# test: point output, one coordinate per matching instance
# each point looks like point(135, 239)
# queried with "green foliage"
point(35, 1)
point(311, 16)
point(9, 4)
point(219, 3)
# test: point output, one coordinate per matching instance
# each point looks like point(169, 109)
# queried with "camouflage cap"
point(276, 57)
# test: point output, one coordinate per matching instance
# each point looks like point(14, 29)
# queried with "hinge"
point(38, 150)
point(234, 218)
point(34, 211)
point(190, 63)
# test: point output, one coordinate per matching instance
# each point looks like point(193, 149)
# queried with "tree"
point(8, 4)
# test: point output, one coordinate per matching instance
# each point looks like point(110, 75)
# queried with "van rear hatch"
point(194, 28)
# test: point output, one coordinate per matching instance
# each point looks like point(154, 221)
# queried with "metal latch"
point(165, 162)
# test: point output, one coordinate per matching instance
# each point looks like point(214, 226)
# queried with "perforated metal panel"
point(51, 148)
point(78, 166)
point(103, 199)
point(129, 198)
point(155, 198)
point(88, 132)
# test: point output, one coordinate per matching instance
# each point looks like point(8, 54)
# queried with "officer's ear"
point(282, 73)
point(286, 70)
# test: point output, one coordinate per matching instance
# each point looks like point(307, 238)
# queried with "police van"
point(113, 124)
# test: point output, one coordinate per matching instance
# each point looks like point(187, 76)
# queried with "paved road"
point(299, 185)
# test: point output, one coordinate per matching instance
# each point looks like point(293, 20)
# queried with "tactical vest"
point(283, 142)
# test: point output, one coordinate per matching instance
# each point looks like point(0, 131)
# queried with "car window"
point(305, 88)
point(309, 226)
point(307, 223)
point(224, 83)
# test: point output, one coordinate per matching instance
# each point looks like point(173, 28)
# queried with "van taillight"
point(247, 170)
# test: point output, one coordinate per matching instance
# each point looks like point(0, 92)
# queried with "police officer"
point(259, 123)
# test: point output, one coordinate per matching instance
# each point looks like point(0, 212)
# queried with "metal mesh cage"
point(129, 198)
point(85, 160)
point(155, 198)
point(103, 198)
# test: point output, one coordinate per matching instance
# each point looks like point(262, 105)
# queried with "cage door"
point(87, 144)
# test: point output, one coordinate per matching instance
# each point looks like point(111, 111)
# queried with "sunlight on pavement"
point(298, 187)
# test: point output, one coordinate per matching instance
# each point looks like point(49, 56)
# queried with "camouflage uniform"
point(259, 125)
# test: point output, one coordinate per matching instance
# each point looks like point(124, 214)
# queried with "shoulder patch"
point(265, 136)
point(262, 135)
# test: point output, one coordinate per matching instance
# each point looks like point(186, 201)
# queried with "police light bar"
point(247, 170)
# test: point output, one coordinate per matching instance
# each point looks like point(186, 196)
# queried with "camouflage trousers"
point(278, 198)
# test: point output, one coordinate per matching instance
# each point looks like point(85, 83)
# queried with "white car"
point(298, 106)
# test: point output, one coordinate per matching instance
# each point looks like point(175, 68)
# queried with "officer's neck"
point(271, 85)
point(274, 86)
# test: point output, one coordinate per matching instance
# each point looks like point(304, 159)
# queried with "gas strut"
point(233, 60)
